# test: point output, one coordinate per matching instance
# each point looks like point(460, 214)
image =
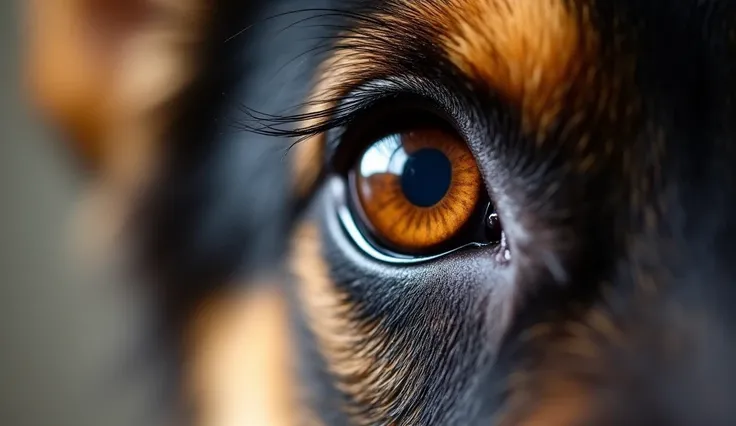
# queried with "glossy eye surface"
point(417, 189)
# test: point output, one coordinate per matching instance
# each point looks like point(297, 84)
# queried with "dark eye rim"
point(415, 112)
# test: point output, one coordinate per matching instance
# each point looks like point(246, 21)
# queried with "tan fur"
point(567, 409)
point(327, 312)
point(531, 52)
point(241, 370)
point(548, 392)
point(110, 93)
point(340, 336)
point(307, 164)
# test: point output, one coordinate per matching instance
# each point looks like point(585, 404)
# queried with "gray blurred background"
point(57, 332)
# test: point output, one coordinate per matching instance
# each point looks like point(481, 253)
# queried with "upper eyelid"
point(374, 90)
point(384, 88)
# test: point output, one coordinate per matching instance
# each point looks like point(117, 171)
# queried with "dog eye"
point(419, 190)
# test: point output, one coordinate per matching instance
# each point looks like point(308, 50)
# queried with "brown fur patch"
point(531, 52)
point(538, 56)
point(240, 360)
point(60, 72)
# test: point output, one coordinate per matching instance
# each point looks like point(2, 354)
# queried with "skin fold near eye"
point(417, 189)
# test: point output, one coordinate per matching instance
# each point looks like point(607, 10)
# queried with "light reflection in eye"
point(386, 155)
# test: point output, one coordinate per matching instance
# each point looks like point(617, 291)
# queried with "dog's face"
point(497, 212)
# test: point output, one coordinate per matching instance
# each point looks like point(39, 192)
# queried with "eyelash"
point(328, 119)
point(331, 114)
point(343, 104)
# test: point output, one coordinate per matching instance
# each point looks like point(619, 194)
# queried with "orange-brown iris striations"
point(418, 188)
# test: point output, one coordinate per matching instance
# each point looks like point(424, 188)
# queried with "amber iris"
point(417, 189)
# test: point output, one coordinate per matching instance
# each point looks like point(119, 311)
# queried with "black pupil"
point(426, 177)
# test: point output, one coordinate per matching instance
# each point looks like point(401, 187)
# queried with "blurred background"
point(58, 329)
